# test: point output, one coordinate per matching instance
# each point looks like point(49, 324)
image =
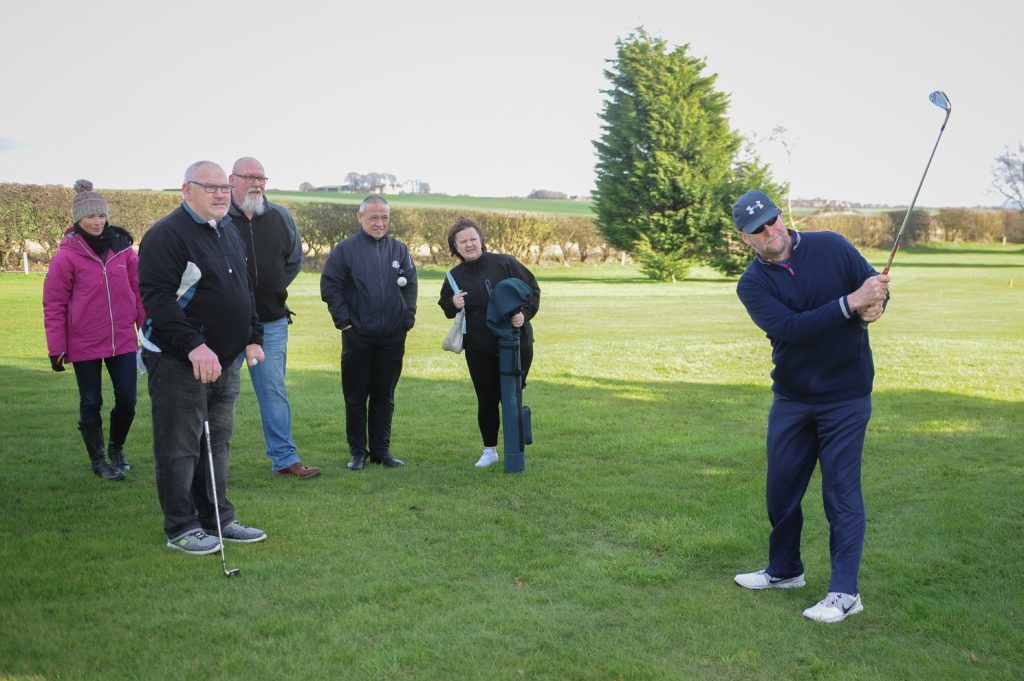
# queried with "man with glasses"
point(200, 317)
point(813, 295)
point(369, 285)
point(274, 255)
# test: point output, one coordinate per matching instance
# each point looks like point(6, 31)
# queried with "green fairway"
point(610, 557)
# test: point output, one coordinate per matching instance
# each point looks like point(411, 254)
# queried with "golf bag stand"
point(513, 425)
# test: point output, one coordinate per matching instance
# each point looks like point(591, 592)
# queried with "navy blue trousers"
point(122, 370)
point(800, 436)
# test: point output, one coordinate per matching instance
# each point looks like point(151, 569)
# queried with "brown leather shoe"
point(298, 470)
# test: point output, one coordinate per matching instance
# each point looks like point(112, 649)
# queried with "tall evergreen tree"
point(667, 164)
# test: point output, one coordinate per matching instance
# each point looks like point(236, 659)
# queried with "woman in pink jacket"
point(91, 306)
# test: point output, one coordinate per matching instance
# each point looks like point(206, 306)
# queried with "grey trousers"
point(179, 443)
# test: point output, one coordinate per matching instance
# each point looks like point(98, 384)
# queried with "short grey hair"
point(190, 172)
point(372, 198)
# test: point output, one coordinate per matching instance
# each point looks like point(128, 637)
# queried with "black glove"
point(57, 362)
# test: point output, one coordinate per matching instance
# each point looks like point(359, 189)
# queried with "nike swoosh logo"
point(847, 610)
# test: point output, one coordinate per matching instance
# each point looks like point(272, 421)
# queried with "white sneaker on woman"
point(489, 456)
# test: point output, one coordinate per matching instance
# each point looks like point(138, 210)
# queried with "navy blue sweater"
point(820, 350)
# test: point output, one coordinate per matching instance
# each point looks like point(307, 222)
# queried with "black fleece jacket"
point(477, 278)
point(274, 256)
point(195, 289)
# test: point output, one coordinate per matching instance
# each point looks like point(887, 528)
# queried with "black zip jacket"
point(195, 289)
point(273, 253)
point(477, 278)
point(360, 285)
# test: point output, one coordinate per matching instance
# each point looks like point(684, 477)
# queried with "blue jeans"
point(268, 384)
point(799, 437)
point(179, 442)
point(89, 375)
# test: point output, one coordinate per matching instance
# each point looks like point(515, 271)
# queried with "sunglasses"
point(767, 224)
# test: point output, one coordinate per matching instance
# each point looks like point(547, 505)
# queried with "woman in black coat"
point(478, 273)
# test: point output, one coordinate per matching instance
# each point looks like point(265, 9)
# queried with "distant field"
point(478, 203)
point(475, 203)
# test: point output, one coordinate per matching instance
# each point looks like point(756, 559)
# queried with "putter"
point(939, 99)
point(233, 572)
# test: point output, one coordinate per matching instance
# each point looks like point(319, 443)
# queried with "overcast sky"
point(499, 99)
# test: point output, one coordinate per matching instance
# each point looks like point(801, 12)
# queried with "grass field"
point(611, 557)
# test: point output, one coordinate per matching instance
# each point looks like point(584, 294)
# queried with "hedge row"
point(947, 224)
point(35, 217)
point(530, 237)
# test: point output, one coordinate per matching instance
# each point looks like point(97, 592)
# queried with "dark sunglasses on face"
point(767, 224)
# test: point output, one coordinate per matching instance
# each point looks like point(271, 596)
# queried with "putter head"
point(939, 99)
point(233, 572)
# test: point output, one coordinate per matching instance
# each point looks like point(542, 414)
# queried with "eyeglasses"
point(767, 224)
point(252, 179)
point(212, 188)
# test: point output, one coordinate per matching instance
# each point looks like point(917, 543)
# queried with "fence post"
point(24, 261)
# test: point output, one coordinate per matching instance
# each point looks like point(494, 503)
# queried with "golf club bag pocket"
point(453, 341)
point(527, 429)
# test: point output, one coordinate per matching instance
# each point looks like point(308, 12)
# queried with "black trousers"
point(370, 369)
point(486, 375)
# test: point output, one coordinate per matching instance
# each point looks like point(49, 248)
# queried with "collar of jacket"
point(224, 221)
point(796, 245)
point(370, 239)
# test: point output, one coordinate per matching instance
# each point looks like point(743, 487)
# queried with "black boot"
point(119, 427)
point(92, 434)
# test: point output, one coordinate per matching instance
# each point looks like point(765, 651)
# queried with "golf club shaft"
point(906, 218)
point(213, 482)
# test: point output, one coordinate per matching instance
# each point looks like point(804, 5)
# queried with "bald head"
point(248, 182)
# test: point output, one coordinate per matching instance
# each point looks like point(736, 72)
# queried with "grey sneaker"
point(241, 534)
point(195, 542)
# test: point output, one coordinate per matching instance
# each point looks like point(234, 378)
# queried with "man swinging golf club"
point(813, 294)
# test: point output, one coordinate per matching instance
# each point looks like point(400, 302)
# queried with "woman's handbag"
point(453, 341)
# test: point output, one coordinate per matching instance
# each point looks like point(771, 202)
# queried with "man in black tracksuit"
point(369, 285)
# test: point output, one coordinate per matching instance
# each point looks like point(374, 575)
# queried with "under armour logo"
point(750, 209)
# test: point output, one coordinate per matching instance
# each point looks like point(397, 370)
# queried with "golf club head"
point(233, 572)
point(939, 99)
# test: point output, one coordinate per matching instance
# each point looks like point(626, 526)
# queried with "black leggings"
point(486, 375)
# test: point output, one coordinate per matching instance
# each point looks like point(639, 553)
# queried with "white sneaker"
point(489, 456)
point(835, 607)
point(763, 580)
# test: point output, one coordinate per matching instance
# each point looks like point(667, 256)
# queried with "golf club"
point(233, 572)
point(939, 99)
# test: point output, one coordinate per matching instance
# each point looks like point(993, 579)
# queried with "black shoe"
point(386, 459)
point(357, 462)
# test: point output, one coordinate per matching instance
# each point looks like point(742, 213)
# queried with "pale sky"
point(499, 99)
